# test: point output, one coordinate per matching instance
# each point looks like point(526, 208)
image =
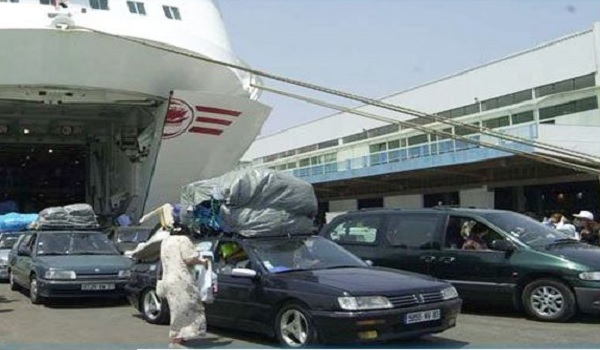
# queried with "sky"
point(376, 48)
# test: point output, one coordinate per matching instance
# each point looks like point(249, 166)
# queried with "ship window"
point(99, 4)
point(136, 7)
point(172, 12)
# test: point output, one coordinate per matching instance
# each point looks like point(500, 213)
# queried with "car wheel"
point(549, 300)
point(294, 327)
point(154, 309)
point(11, 281)
point(34, 292)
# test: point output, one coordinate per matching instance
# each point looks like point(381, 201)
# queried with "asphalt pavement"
point(109, 324)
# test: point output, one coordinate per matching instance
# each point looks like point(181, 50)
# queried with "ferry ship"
point(106, 102)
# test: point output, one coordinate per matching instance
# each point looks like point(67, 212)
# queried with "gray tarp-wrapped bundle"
point(80, 216)
point(256, 202)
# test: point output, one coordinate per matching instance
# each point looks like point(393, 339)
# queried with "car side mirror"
point(247, 273)
point(502, 245)
point(369, 262)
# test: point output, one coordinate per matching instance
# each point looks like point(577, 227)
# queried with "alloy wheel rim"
point(294, 328)
point(547, 301)
point(152, 305)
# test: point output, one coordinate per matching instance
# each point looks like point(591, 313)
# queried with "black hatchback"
point(306, 289)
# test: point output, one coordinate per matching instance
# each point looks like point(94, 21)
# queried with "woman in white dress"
point(178, 256)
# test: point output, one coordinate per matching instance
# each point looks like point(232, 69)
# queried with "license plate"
point(423, 316)
point(97, 286)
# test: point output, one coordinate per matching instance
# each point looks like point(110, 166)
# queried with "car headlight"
point(590, 276)
point(449, 293)
point(60, 275)
point(124, 273)
point(364, 303)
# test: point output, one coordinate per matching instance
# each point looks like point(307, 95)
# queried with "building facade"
point(547, 94)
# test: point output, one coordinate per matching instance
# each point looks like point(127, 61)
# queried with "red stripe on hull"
point(218, 111)
point(213, 121)
point(209, 131)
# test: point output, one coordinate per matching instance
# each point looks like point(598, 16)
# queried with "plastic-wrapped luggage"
point(80, 216)
point(16, 221)
point(254, 202)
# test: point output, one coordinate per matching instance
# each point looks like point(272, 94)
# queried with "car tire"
point(34, 292)
point(11, 281)
point(549, 300)
point(154, 310)
point(294, 327)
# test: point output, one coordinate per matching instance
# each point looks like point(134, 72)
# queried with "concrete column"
point(413, 201)
point(343, 205)
point(477, 197)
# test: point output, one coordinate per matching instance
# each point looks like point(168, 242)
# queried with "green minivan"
point(488, 255)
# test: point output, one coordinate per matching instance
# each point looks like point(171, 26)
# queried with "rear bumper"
point(382, 325)
point(74, 289)
point(588, 300)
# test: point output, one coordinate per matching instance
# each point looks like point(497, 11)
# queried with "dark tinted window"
point(413, 230)
point(357, 229)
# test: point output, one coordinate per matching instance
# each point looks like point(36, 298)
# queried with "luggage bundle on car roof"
point(78, 216)
point(254, 202)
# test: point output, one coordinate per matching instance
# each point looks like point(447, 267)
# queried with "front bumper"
point(383, 325)
point(133, 294)
point(588, 299)
point(74, 288)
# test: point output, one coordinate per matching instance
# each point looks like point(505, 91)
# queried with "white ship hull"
point(78, 69)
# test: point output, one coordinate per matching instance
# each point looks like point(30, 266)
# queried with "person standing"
point(589, 230)
point(179, 256)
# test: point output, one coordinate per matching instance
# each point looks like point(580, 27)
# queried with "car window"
point(525, 229)
point(302, 253)
point(466, 233)
point(361, 229)
point(415, 231)
point(75, 243)
point(230, 255)
point(8, 241)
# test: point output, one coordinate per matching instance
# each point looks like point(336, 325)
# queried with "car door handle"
point(448, 259)
point(427, 258)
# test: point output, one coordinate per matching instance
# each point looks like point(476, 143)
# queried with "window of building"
point(379, 147)
point(172, 12)
point(330, 157)
point(415, 140)
point(13, 1)
point(364, 203)
point(47, 2)
point(304, 162)
point(463, 130)
point(582, 105)
point(566, 85)
point(328, 144)
point(136, 7)
point(497, 122)
point(522, 117)
point(99, 4)
point(394, 144)
point(292, 165)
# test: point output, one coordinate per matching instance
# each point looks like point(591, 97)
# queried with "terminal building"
point(547, 94)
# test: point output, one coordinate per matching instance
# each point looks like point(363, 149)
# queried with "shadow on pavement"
point(83, 303)
point(510, 312)
point(4, 299)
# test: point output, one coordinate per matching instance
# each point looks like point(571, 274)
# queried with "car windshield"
point(8, 241)
point(525, 229)
point(75, 243)
point(133, 236)
point(303, 253)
